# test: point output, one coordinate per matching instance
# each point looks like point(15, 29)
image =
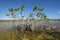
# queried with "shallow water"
point(51, 23)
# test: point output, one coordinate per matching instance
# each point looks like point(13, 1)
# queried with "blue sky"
point(52, 7)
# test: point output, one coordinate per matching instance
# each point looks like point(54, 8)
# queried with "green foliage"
point(7, 14)
point(39, 13)
point(22, 7)
point(16, 9)
point(30, 16)
point(12, 13)
point(45, 17)
point(35, 8)
point(41, 9)
point(11, 10)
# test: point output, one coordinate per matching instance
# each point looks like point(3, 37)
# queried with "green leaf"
point(12, 14)
point(18, 9)
point(22, 7)
point(30, 15)
point(35, 8)
point(45, 17)
point(42, 9)
point(38, 14)
point(7, 14)
point(15, 9)
point(11, 10)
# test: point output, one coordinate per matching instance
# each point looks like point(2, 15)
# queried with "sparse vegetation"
point(28, 30)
